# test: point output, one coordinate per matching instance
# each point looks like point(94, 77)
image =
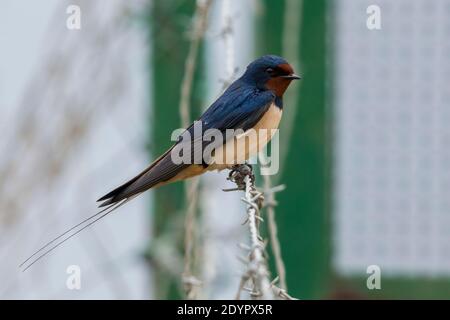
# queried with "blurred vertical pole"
point(170, 25)
point(302, 211)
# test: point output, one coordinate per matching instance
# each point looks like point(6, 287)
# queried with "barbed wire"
point(257, 271)
point(256, 277)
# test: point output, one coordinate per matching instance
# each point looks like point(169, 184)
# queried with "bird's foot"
point(238, 173)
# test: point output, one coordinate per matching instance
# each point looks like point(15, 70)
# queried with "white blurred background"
point(73, 108)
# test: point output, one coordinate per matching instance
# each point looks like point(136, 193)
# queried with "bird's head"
point(270, 73)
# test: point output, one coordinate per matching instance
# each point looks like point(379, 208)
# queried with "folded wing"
point(240, 107)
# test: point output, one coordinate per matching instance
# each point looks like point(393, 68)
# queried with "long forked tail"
point(161, 171)
point(117, 195)
point(59, 240)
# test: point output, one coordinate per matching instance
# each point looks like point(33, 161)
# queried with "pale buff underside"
point(249, 143)
point(245, 146)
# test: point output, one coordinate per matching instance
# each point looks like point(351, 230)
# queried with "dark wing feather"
point(113, 195)
point(240, 107)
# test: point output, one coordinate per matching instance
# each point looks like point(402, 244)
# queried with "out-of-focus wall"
point(392, 161)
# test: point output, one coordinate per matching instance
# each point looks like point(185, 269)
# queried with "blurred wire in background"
point(66, 130)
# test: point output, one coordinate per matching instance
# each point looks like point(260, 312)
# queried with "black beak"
point(291, 77)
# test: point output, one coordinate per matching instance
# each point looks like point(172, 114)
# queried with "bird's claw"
point(238, 173)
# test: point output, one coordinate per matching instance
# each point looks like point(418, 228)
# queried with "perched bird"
point(253, 103)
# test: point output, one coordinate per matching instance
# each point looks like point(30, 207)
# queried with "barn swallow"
point(252, 103)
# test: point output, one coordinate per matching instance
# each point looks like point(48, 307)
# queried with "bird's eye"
point(269, 70)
